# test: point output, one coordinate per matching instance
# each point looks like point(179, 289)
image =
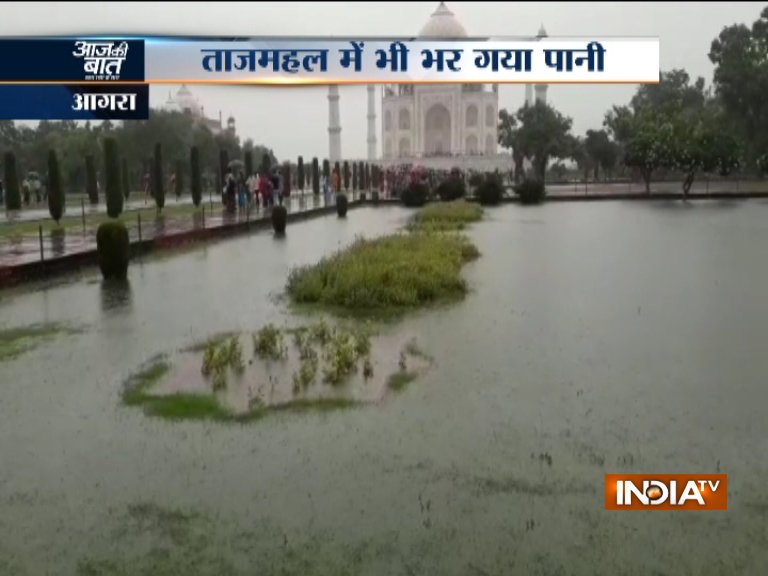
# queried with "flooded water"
point(597, 338)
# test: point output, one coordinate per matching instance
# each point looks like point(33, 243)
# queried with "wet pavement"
point(596, 338)
point(16, 250)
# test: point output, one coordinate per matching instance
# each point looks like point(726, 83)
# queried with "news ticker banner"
point(134, 62)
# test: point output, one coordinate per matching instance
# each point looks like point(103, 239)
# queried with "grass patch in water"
point(216, 339)
point(412, 348)
point(395, 272)
point(400, 380)
point(189, 406)
point(17, 341)
point(186, 407)
point(446, 216)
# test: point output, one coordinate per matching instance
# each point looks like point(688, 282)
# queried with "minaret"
point(334, 125)
point(541, 89)
point(371, 122)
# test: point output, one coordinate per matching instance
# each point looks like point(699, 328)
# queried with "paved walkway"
point(26, 248)
point(40, 211)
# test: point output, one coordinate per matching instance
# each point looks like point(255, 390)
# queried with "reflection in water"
point(57, 242)
point(197, 220)
point(115, 295)
point(159, 225)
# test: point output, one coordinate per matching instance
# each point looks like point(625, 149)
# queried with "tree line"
point(678, 125)
point(79, 147)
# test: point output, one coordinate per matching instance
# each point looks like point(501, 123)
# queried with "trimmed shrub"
point(315, 177)
point(451, 189)
point(279, 219)
point(415, 194)
point(530, 191)
point(248, 163)
point(113, 249)
point(55, 190)
point(490, 191)
point(196, 184)
point(112, 173)
point(300, 173)
point(157, 177)
point(11, 182)
point(476, 179)
point(124, 178)
point(91, 188)
point(179, 182)
point(341, 205)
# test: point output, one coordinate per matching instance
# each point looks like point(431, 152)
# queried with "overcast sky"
point(294, 121)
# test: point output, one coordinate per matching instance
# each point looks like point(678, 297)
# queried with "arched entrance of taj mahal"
point(437, 131)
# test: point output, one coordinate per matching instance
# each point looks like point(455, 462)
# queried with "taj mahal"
point(437, 126)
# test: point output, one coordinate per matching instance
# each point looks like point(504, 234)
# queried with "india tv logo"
point(666, 491)
point(102, 60)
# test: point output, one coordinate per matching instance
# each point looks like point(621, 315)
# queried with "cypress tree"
point(248, 162)
point(346, 175)
point(367, 176)
point(112, 174)
point(286, 179)
point(157, 178)
point(125, 179)
point(326, 169)
point(354, 175)
point(179, 183)
point(195, 180)
point(360, 175)
point(266, 164)
point(315, 177)
point(55, 191)
point(11, 181)
point(223, 163)
point(300, 174)
point(91, 188)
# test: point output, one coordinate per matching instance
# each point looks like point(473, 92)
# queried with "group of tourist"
point(264, 190)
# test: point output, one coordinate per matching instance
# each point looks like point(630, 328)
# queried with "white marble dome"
point(186, 101)
point(443, 24)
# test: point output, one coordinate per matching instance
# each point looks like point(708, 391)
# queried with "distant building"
point(184, 101)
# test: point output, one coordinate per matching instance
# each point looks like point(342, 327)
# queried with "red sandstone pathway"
point(24, 249)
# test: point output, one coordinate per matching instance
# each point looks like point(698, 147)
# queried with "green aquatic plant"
point(268, 343)
point(235, 355)
point(321, 332)
point(441, 216)
point(367, 368)
point(412, 348)
point(400, 380)
point(218, 357)
point(387, 274)
point(341, 357)
point(362, 341)
point(138, 384)
point(17, 341)
point(209, 357)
